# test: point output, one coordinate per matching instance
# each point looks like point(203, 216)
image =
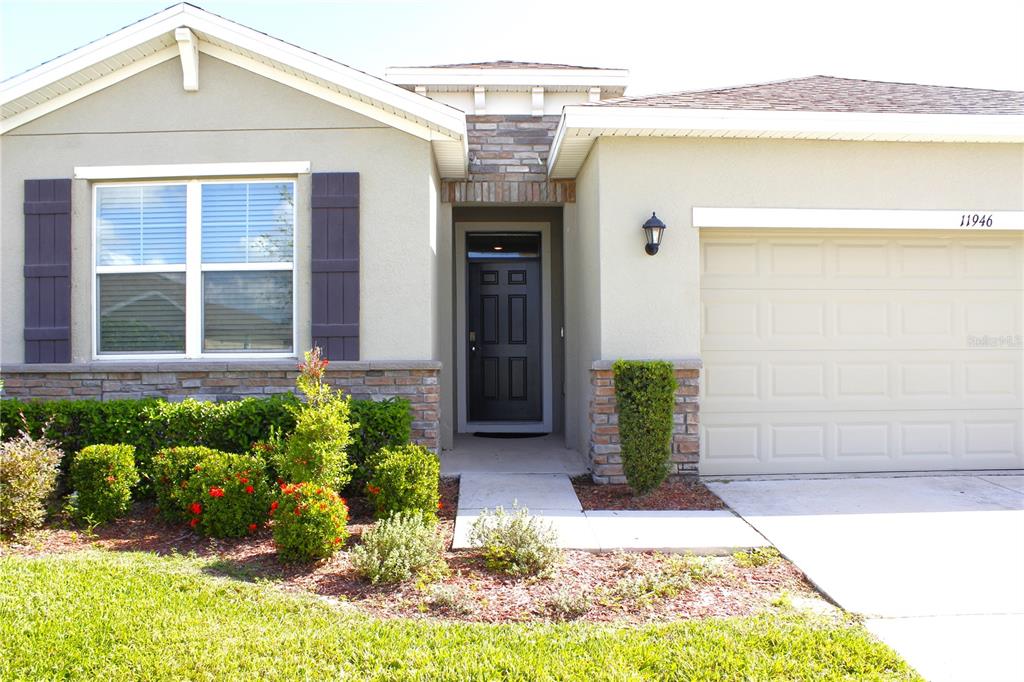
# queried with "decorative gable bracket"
point(188, 50)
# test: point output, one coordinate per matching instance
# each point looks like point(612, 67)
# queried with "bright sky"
point(670, 45)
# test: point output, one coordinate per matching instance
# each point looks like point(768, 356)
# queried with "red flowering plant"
point(310, 521)
point(227, 495)
point(103, 477)
point(405, 479)
point(171, 470)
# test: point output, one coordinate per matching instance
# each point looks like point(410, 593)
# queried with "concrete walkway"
point(936, 563)
point(551, 497)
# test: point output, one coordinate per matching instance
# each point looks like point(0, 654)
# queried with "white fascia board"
point(524, 78)
point(591, 122)
point(446, 120)
point(192, 170)
point(861, 219)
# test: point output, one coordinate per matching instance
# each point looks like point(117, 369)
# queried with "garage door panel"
point(746, 260)
point(847, 320)
point(825, 380)
point(861, 352)
point(765, 443)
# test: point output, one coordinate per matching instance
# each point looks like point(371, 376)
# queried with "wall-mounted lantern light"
point(655, 230)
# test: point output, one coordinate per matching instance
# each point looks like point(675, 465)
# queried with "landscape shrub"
point(310, 521)
point(316, 451)
point(756, 557)
point(405, 479)
point(645, 393)
point(399, 548)
point(170, 471)
point(227, 495)
point(517, 543)
point(28, 476)
point(102, 477)
point(377, 424)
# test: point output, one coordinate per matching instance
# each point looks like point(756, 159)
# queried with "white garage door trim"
point(852, 351)
point(867, 219)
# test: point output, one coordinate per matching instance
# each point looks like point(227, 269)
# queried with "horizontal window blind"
point(140, 225)
point(247, 311)
point(247, 222)
point(141, 312)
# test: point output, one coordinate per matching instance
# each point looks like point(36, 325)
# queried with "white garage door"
point(861, 351)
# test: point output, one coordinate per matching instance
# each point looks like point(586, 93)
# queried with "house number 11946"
point(975, 220)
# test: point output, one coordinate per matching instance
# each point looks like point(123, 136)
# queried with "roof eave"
point(580, 126)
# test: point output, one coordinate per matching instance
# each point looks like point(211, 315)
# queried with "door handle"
point(472, 341)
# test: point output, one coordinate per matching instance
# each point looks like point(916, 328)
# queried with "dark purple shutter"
point(336, 264)
point(47, 271)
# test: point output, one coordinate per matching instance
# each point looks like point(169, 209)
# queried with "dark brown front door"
point(504, 316)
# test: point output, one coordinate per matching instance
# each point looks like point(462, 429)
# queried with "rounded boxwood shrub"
point(227, 495)
point(28, 475)
point(400, 547)
point(405, 479)
point(645, 392)
point(102, 477)
point(310, 521)
point(170, 472)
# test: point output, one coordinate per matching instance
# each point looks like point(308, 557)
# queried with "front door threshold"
point(506, 427)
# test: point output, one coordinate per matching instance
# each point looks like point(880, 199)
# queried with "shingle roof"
point(509, 64)
point(826, 93)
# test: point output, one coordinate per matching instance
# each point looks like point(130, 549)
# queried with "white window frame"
point(193, 267)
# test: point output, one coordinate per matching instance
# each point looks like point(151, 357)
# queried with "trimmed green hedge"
point(645, 392)
point(151, 424)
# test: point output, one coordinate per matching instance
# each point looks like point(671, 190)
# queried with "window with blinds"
point(195, 268)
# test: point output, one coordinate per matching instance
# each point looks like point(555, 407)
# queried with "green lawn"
point(101, 615)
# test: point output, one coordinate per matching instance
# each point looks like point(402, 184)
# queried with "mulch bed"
point(469, 593)
point(669, 496)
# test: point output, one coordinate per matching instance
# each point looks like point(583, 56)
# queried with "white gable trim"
point(154, 40)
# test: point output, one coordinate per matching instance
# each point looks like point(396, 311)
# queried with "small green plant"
point(170, 471)
point(517, 543)
point(227, 495)
point(756, 557)
point(645, 394)
point(316, 452)
point(783, 600)
point(566, 604)
point(310, 522)
point(28, 475)
point(103, 477)
point(399, 548)
point(698, 569)
point(449, 599)
point(405, 479)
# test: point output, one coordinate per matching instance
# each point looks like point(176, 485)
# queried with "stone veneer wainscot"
point(605, 450)
point(204, 380)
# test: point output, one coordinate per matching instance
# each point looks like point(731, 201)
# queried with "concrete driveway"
point(935, 563)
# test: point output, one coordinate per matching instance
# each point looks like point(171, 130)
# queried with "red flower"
point(110, 479)
point(252, 527)
point(440, 505)
point(249, 489)
point(196, 508)
point(243, 480)
point(193, 522)
point(342, 500)
point(298, 511)
point(216, 492)
point(374, 490)
point(273, 506)
point(337, 541)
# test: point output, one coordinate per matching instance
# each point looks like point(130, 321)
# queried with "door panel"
point(504, 363)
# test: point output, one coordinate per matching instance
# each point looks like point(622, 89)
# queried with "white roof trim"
point(192, 170)
point(580, 126)
point(576, 79)
point(31, 94)
point(968, 220)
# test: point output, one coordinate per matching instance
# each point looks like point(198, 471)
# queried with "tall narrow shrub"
point(645, 393)
point(28, 475)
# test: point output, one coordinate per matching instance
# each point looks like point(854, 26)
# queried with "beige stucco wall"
point(650, 306)
point(237, 116)
point(583, 289)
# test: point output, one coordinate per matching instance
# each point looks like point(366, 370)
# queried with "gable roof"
point(159, 38)
point(827, 93)
point(814, 108)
